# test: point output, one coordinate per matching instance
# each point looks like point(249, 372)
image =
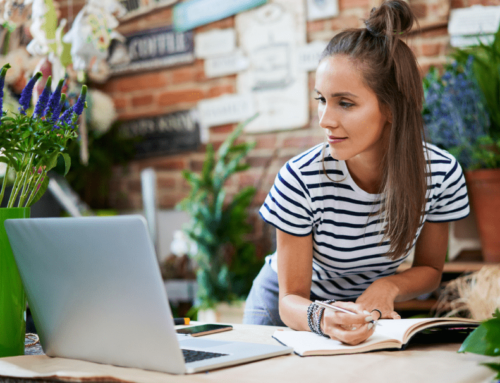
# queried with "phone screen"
point(204, 329)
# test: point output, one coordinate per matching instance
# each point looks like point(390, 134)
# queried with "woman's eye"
point(345, 105)
point(320, 99)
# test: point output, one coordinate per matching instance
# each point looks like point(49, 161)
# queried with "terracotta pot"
point(484, 194)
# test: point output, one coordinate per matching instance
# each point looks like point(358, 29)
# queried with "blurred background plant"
point(461, 111)
point(227, 263)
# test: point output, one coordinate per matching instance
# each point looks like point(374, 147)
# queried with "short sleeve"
point(288, 205)
point(450, 201)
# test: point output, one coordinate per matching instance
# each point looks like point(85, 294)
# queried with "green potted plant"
point(459, 117)
point(30, 146)
point(485, 340)
point(226, 262)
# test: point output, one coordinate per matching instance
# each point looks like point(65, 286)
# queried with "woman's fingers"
point(394, 315)
point(339, 318)
point(351, 337)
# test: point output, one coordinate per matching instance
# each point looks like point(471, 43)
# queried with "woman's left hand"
point(380, 295)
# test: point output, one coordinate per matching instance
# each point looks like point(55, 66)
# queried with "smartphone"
point(204, 329)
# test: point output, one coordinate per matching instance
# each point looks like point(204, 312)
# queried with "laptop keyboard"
point(195, 356)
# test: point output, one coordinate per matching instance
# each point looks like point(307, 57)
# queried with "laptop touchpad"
point(201, 343)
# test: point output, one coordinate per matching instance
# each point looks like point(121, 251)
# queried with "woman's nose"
point(327, 119)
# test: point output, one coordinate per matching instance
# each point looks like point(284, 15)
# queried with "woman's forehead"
point(338, 74)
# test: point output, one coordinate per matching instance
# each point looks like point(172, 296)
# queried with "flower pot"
point(223, 313)
point(12, 296)
point(484, 193)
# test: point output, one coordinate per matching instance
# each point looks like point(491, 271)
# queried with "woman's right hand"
point(347, 328)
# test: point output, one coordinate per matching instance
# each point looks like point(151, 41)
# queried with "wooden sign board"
point(165, 134)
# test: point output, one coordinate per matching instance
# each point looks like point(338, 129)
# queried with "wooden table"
point(419, 363)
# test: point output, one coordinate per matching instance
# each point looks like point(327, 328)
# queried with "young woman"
point(349, 211)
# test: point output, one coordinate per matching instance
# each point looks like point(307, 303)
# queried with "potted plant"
point(459, 119)
point(226, 262)
point(30, 146)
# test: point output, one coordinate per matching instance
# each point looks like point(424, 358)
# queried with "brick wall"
point(169, 90)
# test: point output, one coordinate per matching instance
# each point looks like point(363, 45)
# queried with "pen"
point(178, 321)
point(336, 308)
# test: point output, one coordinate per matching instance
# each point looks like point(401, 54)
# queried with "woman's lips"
point(335, 140)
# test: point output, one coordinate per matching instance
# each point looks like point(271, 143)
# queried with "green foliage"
point(227, 263)
point(485, 340)
point(486, 68)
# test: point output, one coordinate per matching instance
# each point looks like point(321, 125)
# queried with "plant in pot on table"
point(458, 118)
point(226, 262)
point(30, 146)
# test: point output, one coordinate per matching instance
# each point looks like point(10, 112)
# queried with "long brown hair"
point(390, 69)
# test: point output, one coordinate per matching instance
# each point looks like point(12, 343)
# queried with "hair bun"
point(392, 18)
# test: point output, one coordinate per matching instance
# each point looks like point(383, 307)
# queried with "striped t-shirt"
point(347, 256)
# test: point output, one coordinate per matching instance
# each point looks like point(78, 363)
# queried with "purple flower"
point(80, 103)
point(3, 72)
point(66, 117)
point(57, 110)
point(43, 99)
point(54, 99)
point(27, 92)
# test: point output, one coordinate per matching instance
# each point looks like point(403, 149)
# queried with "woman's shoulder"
point(439, 159)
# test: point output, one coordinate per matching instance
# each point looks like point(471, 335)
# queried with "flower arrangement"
point(31, 144)
point(456, 116)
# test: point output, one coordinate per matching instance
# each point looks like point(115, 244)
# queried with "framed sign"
point(151, 49)
point(165, 134)
point(192, 14)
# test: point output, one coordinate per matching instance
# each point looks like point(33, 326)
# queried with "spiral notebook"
point(389, 335)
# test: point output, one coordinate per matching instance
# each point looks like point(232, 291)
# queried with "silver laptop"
point(96, 293)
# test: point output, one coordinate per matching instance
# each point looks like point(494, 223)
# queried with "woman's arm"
point(295, 256)
point(424, 276)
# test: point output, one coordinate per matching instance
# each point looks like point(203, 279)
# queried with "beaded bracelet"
point(314, 316)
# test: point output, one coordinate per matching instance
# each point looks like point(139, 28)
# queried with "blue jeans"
point(262, 305)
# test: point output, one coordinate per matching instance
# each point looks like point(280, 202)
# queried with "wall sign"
point(151, 49)
point(270, 36)
point(191, 14)
point(468, 26)
point(215, 43)
point(139, 7)
point(226, 109)
point(309, 55)
point(226, 65)
point(322, 9)
point(166, 134)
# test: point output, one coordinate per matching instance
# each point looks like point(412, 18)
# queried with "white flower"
point(102, 111)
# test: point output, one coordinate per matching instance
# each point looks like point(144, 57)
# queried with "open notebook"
point(389, 334)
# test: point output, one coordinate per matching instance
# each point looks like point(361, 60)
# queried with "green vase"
point(12, 296)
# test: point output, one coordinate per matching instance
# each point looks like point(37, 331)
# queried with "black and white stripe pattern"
point(347, 254)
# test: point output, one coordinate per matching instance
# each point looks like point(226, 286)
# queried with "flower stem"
point(13, 192)
point(26, 181)
point(35, 191)
point(4, 183)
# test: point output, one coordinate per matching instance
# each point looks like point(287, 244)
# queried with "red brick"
point(184, 74)
point(420, 10)
point(164, 15)
point(196, 165)
point(457, 4)
point(140, 82)
point(134, 186)
point(258, 162)
point(248, 179)
point(228, 22)
point(200, 70)
point(222, 129)
point(345, 22)
point(432, 49)
point(442, 31)
point(166, 182)
point(267, 141)
point(346, 4)
point(315, 26)
point(219, 90)
point(169, 200)
point(164, 163)
point(120, 102)
point(142, 100)
point(179, 96)
point(300, 142)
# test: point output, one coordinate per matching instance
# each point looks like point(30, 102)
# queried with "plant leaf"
point(484, 340)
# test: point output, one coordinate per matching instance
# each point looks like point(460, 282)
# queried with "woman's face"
point(348, 110)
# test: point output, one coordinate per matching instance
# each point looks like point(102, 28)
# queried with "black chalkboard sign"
point(151, 49)
point(165, 134)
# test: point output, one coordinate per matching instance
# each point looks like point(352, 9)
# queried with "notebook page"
point(396, 328)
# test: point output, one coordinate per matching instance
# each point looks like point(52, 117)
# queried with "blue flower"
point(27, 92)
point(66, 117)
point(44, 98)
point(57, 110)
point(3, 72)
point(80, 103)
point(54, 99)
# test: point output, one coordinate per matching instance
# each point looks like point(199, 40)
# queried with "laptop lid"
point(95, 291)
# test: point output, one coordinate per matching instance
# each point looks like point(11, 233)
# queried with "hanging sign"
point(270, 37)
point(151, 49)
point(166, 134)
point(226, 65)
point(191, 14)
point(214, 43)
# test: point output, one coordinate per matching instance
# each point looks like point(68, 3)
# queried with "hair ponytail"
point(390, 69)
